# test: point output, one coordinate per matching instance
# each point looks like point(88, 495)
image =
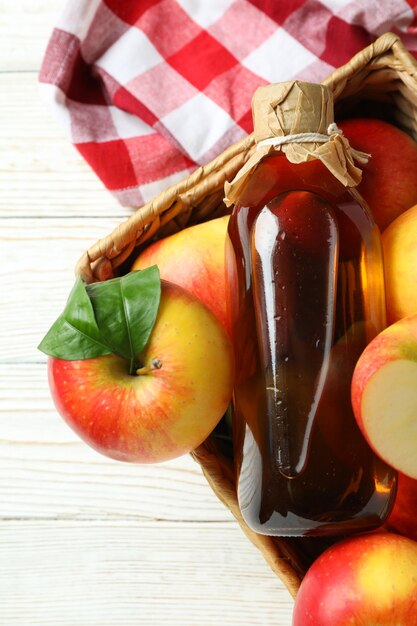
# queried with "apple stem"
point(156, 364)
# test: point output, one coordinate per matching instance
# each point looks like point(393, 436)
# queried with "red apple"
point(367, 580)
point(403, 518)
point(399, 243)
point(195, 259)
point(180, 393)
point(389, 182)
point(384, 395)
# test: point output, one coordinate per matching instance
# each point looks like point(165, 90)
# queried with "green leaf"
point(116, 316)
point(125, 309)
point(75, 334)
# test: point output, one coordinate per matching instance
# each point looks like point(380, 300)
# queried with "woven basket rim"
point(202, 192)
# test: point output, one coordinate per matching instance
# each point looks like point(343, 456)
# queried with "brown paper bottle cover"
point(284, 111)
point(288, 108)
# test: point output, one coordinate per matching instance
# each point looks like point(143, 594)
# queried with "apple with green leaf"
point(139, 368)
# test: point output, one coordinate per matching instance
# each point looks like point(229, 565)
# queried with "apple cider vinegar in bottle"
point(306, 296)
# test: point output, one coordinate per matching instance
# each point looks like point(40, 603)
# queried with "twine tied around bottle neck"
point(332, 149)
point(332, 129)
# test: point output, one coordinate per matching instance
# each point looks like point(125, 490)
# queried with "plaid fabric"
point(150, 89)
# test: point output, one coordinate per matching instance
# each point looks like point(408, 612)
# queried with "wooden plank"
point(25, 28)
point(41, 173)
point(47, 472)
point(37, 260)
point(132, 573)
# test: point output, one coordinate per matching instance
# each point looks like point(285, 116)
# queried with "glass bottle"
point(307, 294)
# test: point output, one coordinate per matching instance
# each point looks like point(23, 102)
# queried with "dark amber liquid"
point(307, 295)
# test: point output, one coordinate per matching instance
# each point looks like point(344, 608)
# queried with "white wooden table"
point(84, 540)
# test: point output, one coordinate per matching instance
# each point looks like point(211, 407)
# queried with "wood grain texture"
point(25, 27)
point(37, 259)
point(134, 574)
point(46, 472)
point(83, 539)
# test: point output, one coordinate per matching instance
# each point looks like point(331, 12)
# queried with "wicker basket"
point(381, 81)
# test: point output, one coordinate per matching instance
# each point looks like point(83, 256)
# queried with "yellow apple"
point(174, 401)
point(195, 259)
point(384, 395)
point(399, 243)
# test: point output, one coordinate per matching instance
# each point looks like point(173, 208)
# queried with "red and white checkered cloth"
point(149, 89)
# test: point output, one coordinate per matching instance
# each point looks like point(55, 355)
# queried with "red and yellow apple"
point(389, 181)
point(195, 259)
point(399, 243)
point(182, 388)
point(403, 517)
point(384, 395)
point(367, 580)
